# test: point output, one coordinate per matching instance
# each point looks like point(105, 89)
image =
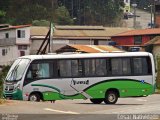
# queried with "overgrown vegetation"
point(158, 73)
point(3, 74)
point(78, 12)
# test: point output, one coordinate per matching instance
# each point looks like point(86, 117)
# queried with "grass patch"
point(158, 91)
point(2, 101)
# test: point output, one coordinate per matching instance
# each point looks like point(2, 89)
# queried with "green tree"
point(95, 12)
point(3, 74)
point(2, 16)
point(26, 12)
point(40, 23)
point(83, 12)
point(63, 16)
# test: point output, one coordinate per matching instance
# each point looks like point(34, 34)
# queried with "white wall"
point(12, 51)
point(81, 42)
point(10, 56)
point(35, 44)
point(12, 33)
point(27, 36)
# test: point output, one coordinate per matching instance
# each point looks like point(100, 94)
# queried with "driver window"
point(38, 70)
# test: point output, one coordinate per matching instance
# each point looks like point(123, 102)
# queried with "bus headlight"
point(17, 87)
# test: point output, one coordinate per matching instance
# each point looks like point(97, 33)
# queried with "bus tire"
point(34, 97)
point(96, 101)
point(111, 97)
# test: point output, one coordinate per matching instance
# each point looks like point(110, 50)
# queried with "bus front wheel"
point(111, 97)
point(96, 101)
point(34, 97)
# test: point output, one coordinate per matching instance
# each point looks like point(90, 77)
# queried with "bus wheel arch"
point(111, 96)
point(35, 96)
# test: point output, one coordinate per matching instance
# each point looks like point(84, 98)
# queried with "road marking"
point(59, 111)
point(141, 100)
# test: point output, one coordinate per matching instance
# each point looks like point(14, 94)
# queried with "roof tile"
point(140, 32)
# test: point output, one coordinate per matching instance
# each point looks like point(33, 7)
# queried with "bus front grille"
point(8, 96)
point(9, 88)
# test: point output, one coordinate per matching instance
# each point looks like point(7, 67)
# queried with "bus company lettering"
point(81, 82)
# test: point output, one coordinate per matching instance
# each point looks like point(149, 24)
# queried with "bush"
point(158, 73)
point(3, 74)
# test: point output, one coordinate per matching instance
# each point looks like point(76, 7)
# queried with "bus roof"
point(86, 55)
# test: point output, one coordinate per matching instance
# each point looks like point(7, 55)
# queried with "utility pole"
point(72, 8)
point(151, 15)
point(134, 17)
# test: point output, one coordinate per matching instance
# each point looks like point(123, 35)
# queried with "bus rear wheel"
point(111, 97)
point(96, 101)
point(34, 97)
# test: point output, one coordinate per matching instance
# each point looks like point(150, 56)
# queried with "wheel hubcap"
point(111, 97)
point(33, 98)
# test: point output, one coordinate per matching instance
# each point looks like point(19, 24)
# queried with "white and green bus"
point(97, 76)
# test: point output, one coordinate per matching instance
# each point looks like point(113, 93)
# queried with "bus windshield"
point(17, 69)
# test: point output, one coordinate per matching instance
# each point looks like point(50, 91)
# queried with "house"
point(14, 42)
point(88, 49)
point(157, 13)
point(81, 35)
point(135, 38)
point(153, 46)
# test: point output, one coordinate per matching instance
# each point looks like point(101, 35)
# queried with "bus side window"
point(101, 67)
point(32, 72)
point(108, 66)
point(43, 71)
point(116, 64)
point(142, 66)
point(120, 66)
point(65, 68)
point(76, 68)
point(38, 70)
point(149, 64)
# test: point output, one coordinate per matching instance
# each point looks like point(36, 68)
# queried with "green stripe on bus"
point(126, 88)
point(48, 86)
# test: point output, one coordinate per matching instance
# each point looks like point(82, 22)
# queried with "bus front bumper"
point(15, 95)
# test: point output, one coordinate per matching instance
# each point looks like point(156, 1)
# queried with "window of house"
point(4, 52)
point(95, 42)
point(21, 33)
point(22, 53)
point(138, 40)
point(6, 35)
point(22, 47)
point(152, 36)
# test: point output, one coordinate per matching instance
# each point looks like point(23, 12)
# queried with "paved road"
point(84, 108)
point(142, 21)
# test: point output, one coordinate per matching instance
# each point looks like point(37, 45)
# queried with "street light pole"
point(134, 17)
point(151, 16)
